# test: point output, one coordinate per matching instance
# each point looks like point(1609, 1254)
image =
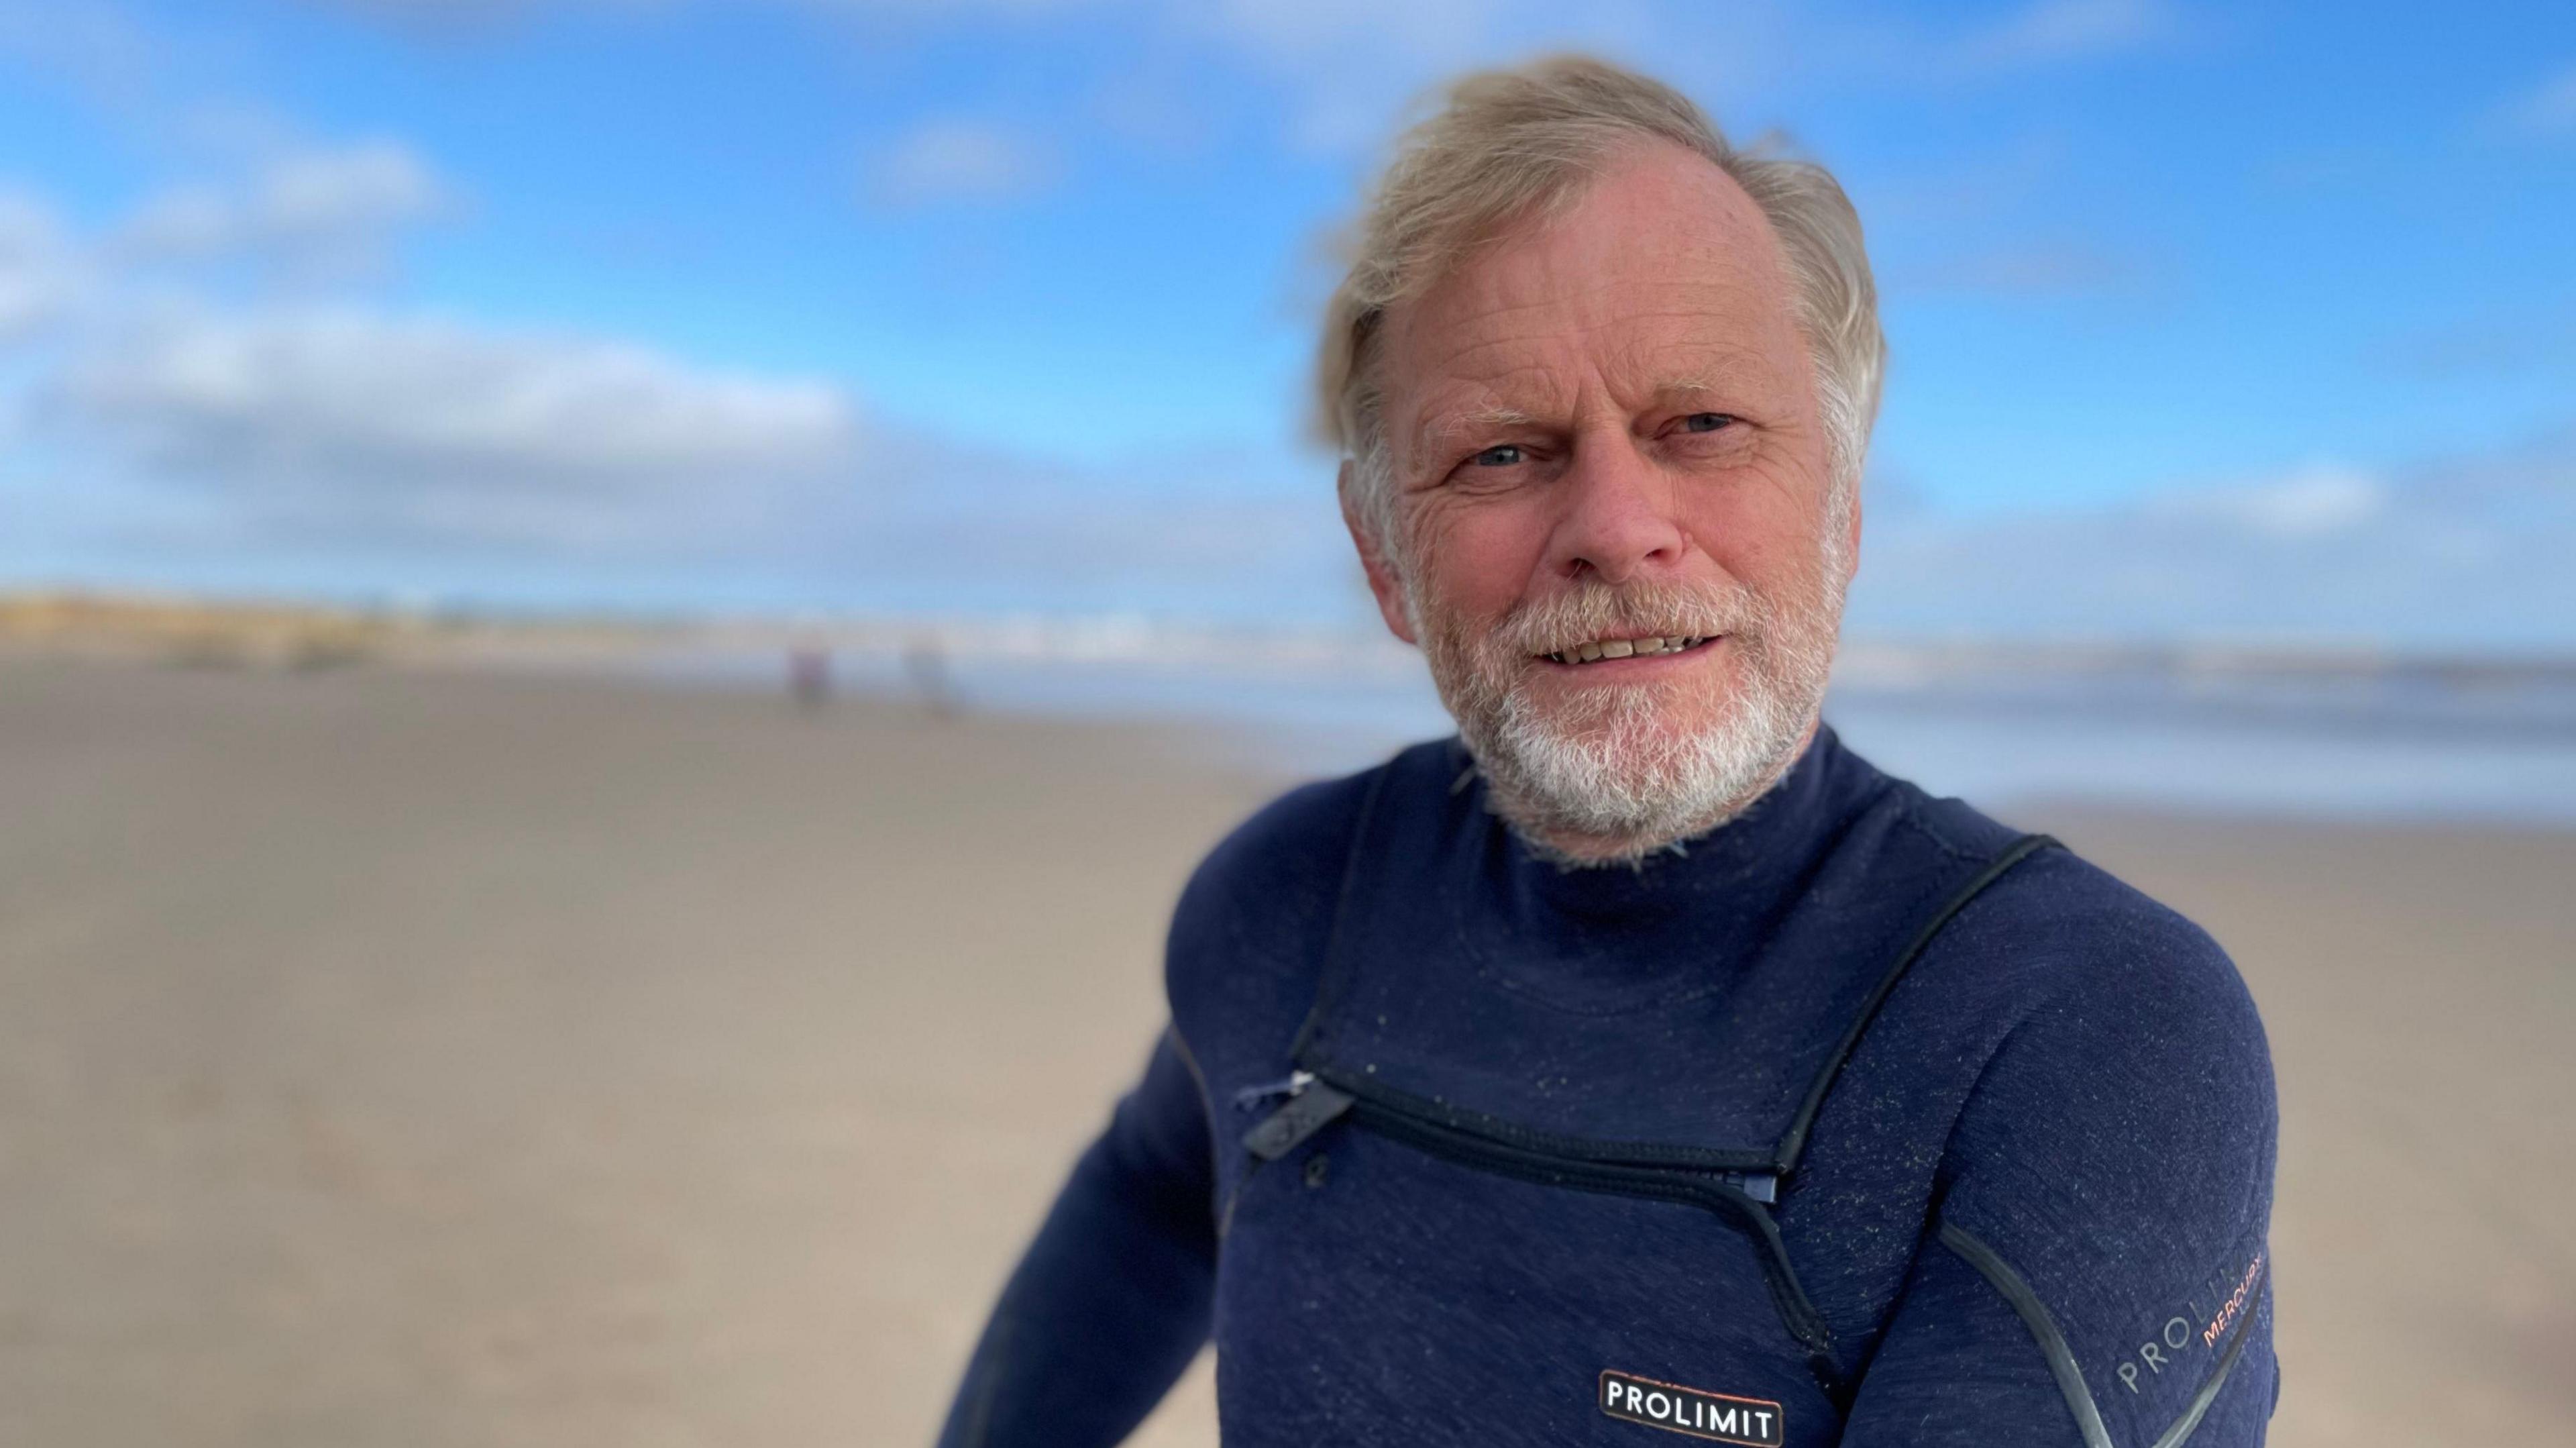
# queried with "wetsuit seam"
point(1793, 1144)
point(2034, 1314)
point(1329, 971)
point(2029, 1004)
point(1207, 1113)
point(1985, 1068)
point(2207, 1394)
point(1910, 812)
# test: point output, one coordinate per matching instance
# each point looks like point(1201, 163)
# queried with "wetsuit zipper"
point(1313, 1104)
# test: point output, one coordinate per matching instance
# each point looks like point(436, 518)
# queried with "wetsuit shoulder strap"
point(1793, 1143)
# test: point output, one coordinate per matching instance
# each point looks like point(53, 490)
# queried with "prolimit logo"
point(1688, 1410)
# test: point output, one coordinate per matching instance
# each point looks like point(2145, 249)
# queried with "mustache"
point(1595, 610)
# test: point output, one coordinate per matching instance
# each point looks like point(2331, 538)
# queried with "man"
point(1641, 1061)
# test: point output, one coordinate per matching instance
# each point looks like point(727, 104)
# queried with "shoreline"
point(2070, 753)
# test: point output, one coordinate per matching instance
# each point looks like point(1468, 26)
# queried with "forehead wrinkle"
point(1504, 325)
point(1716, 346)
point(1491, 293)
point(1661, 370)
point(1509, 395)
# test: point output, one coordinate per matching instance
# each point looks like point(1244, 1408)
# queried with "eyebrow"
point(1440, 428)
point(1445, 427)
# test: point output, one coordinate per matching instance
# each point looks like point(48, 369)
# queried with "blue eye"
point(1502, 455)
point(1705, 421)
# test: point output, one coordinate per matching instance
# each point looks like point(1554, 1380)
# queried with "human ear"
point(1385, 584)
point(1851, 550)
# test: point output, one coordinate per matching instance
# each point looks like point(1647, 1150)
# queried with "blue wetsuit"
point(1447, 1145)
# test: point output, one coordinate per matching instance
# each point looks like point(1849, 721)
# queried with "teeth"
point(1627, 648)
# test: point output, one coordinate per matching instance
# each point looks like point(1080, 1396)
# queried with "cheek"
point(1477, 560)
point(1764, 529)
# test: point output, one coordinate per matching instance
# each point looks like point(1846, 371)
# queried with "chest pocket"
point(1525, 1261)
point(1375, 1291)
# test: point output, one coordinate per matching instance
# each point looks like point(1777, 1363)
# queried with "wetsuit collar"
point(1628, 928)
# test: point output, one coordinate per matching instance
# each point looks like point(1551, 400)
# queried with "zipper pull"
point(1761, 1186)
point(1311, 1107)
point(1251, 1096)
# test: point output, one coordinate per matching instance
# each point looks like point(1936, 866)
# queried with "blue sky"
point(2241, 321)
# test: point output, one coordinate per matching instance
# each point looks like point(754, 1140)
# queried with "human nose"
point(1618, 518)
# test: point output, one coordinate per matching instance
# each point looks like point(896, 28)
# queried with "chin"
point(1616, 775)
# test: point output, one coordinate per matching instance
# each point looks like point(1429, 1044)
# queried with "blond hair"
point(1509, 144)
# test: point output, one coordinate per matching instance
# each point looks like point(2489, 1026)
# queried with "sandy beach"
point(411, 1056)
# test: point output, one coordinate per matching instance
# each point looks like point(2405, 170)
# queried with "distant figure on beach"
point(1640, 1058)
point(925, 665)
point(809, 675)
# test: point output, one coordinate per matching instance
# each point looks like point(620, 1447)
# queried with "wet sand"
point(392, 1056)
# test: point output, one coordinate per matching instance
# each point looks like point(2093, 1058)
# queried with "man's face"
point(1604, 429)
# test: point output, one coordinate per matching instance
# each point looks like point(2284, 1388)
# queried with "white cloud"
point(1346, 68)
point(353, 423)
point(1349, 67)
point(2466, 551)
point(2309, 502)
point(2043, 268)
point(963, 161)
point(328, 444)
point(316, 211)
point(101, 50)
point(1044, 537)
point(2055, 32)
point(1316, 29)
point(2523, 340)
point(2044, 35)
point(2548, 109)
point(42, 274)
point(203, 428)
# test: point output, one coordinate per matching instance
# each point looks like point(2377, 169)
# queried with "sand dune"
point(393, 1057)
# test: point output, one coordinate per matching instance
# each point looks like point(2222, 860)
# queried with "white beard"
point(1605, 777)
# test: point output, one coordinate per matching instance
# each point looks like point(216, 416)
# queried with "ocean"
point(2230, 733)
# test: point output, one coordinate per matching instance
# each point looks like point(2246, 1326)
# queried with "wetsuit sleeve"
point(1112, 1299)
point(2096, 1273)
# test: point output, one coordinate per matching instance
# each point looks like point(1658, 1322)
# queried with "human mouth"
point(1602, 650)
